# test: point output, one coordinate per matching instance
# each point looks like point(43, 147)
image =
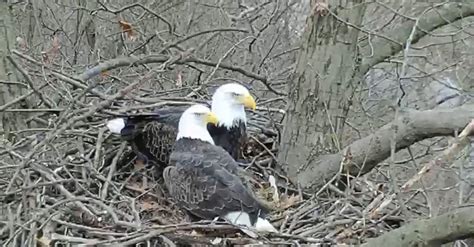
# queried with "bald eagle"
point(202, 177)
point(152, 136)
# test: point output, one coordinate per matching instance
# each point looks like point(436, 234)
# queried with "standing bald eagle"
point(202, 177)
point(152, 136)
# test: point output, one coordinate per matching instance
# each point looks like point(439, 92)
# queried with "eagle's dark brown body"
point(204, 180)
point(152, 136)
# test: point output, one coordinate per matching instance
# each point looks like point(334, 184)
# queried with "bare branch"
point(446, 157)
point(30, 81)
point(168, 23)
point(444, 14)
point(121, 62)
point(188, 37)
point(367, 152)
point(147, 59)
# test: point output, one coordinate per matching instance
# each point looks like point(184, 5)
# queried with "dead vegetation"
point(81, 185)
point(66, 180)
point(75, 182)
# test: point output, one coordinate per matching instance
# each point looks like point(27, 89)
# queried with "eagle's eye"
point(234, 94)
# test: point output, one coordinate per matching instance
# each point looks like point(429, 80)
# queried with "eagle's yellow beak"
point(211, 118)
point(248, 101)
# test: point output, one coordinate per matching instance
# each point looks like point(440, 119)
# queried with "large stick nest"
point(76, 183)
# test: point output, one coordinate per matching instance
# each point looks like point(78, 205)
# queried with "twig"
point(19, 98)
point(70, 239)
point(30, 81)
point(112, 169)
point(217, 66)
point(98, 147)
point(36, 186)
point(117, 11)
point(190, 36)
point(54, 134)
point(445, 157)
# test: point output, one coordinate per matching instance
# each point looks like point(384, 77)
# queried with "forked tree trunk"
point(321, 89)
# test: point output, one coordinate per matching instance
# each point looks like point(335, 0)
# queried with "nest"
point(76, 183)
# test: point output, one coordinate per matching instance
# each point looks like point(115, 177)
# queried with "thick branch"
point(369, 151)
point(431, 232)
point(436, 18)
point(121, 62)
point(148, 59)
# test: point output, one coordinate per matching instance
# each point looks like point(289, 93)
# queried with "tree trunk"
point(8, 75)
point(321, 88)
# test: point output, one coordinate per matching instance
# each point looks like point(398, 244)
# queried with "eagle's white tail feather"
point(239, 218)
point(116, 125)
point(242, 218)
point(263, 225)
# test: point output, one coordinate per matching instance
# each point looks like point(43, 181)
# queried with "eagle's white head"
point(193, 123)
point(229, 102)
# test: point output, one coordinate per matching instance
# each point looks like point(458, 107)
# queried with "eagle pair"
point(196, 149)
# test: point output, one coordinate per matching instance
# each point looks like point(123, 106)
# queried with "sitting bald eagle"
point(202, 177)
point(152, 136)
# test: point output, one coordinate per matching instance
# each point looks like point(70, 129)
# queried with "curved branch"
point(366, 153)
point(436, 231)
point(168, 23)
point(155, 58)
point(193, 35)
point(240, 70)
point(442, 15)
point(121, 62)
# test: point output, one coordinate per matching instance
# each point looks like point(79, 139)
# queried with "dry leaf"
point(276, 196)
point(22, 43)
point(104, 74)
point(53, 52)
point(147, 205)
point(179, 81)
point(56, 45)
point(321, 7)
point(43, 241)
point(128, 29)
point(288, 201)
point(139, 164)
point(345, 233)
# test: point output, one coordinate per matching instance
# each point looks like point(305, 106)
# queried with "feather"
point(153, 136)
point(116, 125)
point(263, 225)
point(204, 180)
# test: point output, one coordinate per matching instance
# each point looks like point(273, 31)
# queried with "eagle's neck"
point(190, 129)
point(230, 115)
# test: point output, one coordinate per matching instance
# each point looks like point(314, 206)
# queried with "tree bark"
point(367, 152)
point(320, 92)
point(321, 88)
point(436, 231)
point(10, 121)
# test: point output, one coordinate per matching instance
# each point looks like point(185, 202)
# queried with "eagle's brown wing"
point(199, 178)
point(152, 136)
